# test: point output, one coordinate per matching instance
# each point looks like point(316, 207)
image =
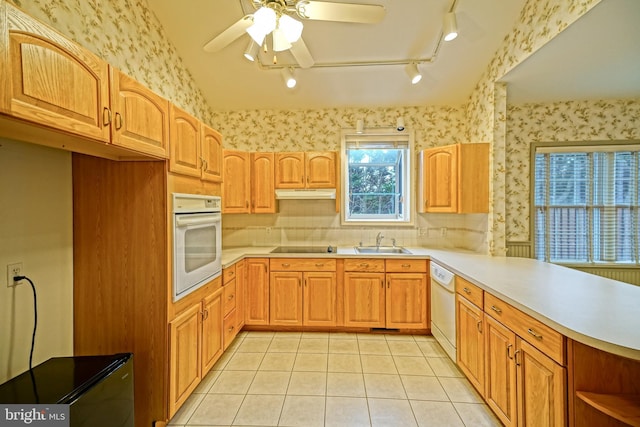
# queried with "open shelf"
point(622, 407)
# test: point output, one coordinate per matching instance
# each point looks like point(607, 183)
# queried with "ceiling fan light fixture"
point(289, 78)
point(251, 52)
point(280, 41)
point(292, 28)
point(450, 30)
point(264, 22)
point(414, 73)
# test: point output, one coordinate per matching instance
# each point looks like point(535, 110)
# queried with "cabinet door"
point(542, 388)
point(500, 371)
point(240, 293)
point(321, 170)
point(406, 300)
point(364, 299)
point(470, 342)
point(263, 194)
point(211, 146)
point(185, 353)
point(257, 291)
point(285, 298)
point(290, 170)
point(185, 143)
point(236, 185)
point(140, 118)
point(439, 170)
point(212, 330)
point(319, 298)
point(51, 80)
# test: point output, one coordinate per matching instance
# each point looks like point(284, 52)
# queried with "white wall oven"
point(197, 242)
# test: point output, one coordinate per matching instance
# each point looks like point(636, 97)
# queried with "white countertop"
point(596, 311)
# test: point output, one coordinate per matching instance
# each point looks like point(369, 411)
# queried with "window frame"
point(381, 135)
point(572, 147)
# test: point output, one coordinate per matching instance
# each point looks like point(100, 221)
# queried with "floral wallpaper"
point(306, 130)
point(602, 120)
point(127, 35)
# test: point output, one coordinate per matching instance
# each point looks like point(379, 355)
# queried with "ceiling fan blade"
point(341, 12)
point(229, 35)
point(301, 54)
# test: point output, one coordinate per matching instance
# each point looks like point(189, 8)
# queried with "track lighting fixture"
point(450, 28)
point(400, 124)
point(360, 126)
point(414, 73)
point(251, 53)
point(289, 78)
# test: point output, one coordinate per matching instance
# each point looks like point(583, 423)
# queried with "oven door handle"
point(187, 221)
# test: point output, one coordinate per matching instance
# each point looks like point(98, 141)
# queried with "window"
point(586, 202)
point(376, 178)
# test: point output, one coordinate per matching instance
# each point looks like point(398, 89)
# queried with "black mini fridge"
point(99, 389)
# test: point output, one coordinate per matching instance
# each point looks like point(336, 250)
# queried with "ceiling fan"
point(274, 17)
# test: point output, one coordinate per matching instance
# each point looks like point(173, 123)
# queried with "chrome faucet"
point(379, 238)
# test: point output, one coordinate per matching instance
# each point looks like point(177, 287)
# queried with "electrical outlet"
point(13, 270)
point(268, 230)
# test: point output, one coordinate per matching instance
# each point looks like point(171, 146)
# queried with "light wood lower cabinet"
point(256, 291)
point(500, 371)
point(407, 301)
point(195, 341)
point(470, 342)
point(364, 299)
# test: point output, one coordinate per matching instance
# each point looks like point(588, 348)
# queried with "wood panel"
point(364, 264)
point(120, 270)
point(140, 118)
point(285, 298)
point(471, 292)
point(257, 291)
point(473, 178)
point(500, 371)
point(211, 148)
point(185, 357)
point(302, 264)
point(290, 170)
point(406, 265)
point(51, 80)
point(319, 299)
point(212, 345)
point(185, 156)
point(439, 168)
point(320, 169)
point(240, 293)
point(229, 297)
point(550, 341)
point(263, 193)
point(236, 187)
point(407, 300)
point(470, 342)
point(364, 299)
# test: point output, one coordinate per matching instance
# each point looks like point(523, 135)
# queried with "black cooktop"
point(302, 250)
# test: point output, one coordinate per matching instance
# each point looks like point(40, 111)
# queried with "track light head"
point(360, 126)
point(414, 73)
point(400, 124)
point(289, 78)
point(450, 28)
point(251, 52)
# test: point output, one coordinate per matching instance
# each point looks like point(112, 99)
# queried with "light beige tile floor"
point(334, 379)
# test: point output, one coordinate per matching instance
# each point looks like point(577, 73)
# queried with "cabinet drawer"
point(406, 265)
point(302, 264)
point(229, 297)
point(545, 339)
point(228, 273)
point(230, 329)
point(364, 264)
point(469, 291)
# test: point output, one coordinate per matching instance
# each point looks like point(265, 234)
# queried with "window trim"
point(569, 146)
point(374, 135)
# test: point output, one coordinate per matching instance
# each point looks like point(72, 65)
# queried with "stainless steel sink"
point(381, 250)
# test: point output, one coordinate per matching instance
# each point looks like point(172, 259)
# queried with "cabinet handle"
point(466, 290)
point(246, 204)
point(509, 347)
point(307, 179)
point(286, 265)
point(363, 264)
point(496, 309)
point(230, 297)
point(515, 357)
point(535, 334)
point(106, 121)
point(479, 326)
point(231, 329)
point(305, 283)
point(119, 121)
point(406, 265)
point(320, 264)
point(388, 284)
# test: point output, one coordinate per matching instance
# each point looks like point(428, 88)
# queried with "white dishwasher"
point(443, 308)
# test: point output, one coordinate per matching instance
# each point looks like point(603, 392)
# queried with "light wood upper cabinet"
point(185, 143)
point(454, 179)
point(263, 195)
point(305, 170)
point(49, 80)
point(139, 118)
point(470, 341)
point(211, 151)
point(236, 187)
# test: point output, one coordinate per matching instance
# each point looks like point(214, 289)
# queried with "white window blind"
point(586, 205)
